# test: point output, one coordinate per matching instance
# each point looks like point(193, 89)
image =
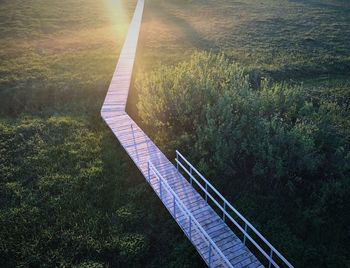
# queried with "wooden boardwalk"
point(142, 150)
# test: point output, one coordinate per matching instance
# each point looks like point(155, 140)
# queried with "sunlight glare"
point(119, 17)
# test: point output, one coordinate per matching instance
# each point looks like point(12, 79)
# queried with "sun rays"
point(119, 15)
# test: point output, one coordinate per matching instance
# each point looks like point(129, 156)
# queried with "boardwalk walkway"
point(213, 239)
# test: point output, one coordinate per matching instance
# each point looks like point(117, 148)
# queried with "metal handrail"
point(223, 208)
point(191, 218)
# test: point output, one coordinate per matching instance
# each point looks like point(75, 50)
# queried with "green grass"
point(70, 195)
point(55, 57)
point(283, 38)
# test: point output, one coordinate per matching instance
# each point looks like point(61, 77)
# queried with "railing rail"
point(212, 247)
point(223, 205)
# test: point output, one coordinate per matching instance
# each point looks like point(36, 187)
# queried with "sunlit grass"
point(119, 17)
point(66, 52)
point(283, 38)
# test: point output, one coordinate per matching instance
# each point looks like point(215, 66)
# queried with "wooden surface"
point(141, 149)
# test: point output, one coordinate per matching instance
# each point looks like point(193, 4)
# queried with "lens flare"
point(119, 16)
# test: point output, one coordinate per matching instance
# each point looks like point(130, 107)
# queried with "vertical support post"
point(224, 212)
point(177, 162)
point(147, 142)
point(190, 227)
point(206, 192)
point(245, 231)
point(160, 189)
point(209, 260)
point(271, 254)
point(133, 135)
point(149, 172)
point(191, 174)
point(174, 201)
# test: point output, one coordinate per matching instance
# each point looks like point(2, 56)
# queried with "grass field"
point(58, 53)
point(284, 38)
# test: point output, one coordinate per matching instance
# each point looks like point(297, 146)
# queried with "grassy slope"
point(57, 53)
point(276, 36)
point(56, 60)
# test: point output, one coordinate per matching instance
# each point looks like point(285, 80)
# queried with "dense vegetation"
point(279, 151)
point(269, 121)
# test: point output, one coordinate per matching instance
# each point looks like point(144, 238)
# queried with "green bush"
point(274, 143)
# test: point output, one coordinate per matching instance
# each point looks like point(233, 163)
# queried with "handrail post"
point(133, 135)
point(174, 201)
point(245, 231)
point(224, 212)
point(160, 189)
point(177, 162)
point(209, 261)
point(191, 175)
point(271, 254)
point(149, 172)
point(190, 227)
point(206, 192)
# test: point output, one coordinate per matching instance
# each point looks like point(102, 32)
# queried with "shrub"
point(276, 144)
